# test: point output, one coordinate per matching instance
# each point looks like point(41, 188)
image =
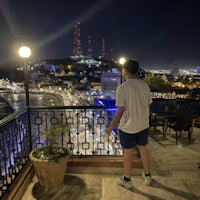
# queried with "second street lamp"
point(122, 60)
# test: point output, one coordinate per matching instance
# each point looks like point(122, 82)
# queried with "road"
point(18, 101)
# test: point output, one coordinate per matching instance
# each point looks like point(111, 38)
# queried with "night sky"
point(158, 33)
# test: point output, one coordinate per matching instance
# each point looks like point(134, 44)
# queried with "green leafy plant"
point(52, 152)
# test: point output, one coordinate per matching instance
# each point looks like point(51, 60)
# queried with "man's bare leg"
point(128, 156)
point(145, 158)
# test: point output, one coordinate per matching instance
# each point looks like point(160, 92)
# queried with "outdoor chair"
point(197, 122)
point(156, 120)
point(182, 124)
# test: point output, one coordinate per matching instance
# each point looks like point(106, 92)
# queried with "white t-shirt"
point(135, 96)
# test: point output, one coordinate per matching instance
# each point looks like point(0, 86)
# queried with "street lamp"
point(122, 60)
point(25, 53)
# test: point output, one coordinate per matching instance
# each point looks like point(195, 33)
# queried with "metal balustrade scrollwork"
point(14, 149)
point(86, 136)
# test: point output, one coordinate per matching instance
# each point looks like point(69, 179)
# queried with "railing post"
point(29, 129)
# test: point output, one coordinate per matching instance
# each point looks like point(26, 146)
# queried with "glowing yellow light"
point(122, 60)
point(24, 52)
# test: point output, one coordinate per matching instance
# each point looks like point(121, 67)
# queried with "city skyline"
point(158, 34)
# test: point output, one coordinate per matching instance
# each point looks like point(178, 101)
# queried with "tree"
point(157, 83)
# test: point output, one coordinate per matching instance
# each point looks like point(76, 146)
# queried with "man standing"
point(133, 100)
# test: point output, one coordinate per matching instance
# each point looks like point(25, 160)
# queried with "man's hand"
point(108, 130)
point(116, 119)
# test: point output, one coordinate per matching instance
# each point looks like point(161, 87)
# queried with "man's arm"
point(116, 119)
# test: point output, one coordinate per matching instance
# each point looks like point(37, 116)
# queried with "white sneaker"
point(124, 183)
point(147, 179)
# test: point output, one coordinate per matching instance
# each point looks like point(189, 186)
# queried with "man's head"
point(131, 66)
point(130, 69)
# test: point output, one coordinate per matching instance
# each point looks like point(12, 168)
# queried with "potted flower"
point(50, 161)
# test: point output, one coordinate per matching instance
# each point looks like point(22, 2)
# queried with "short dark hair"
point(131, 66)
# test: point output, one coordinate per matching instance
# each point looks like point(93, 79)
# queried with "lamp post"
point(25, 53)
point(122, 60)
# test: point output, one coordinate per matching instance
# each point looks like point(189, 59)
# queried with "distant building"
point(175, 70)
point(109, 83)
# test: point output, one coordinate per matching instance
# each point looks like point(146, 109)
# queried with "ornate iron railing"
point(14, 148)
point(85, 136)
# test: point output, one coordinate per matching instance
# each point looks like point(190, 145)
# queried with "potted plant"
point(50, 161)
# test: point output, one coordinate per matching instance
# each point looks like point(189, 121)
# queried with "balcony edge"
point(20, 185)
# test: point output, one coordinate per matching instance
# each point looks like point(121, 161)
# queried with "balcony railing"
point(14, 148)
point(86, 134)
point(85, 137)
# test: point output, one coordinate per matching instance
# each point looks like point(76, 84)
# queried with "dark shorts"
point(128, 140)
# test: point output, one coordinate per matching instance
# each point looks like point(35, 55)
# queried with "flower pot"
point(50, 174)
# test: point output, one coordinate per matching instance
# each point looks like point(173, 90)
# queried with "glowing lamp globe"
point(24, 52)
point(122, 60)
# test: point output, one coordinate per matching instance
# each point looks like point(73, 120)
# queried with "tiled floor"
point(82, 186)
point(175, 170)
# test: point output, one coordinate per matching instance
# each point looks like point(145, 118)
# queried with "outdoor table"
point(173, 117)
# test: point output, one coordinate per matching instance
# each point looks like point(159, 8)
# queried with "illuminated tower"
point(77, 50)
point(89, 47)
point(103, 50)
